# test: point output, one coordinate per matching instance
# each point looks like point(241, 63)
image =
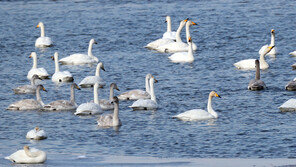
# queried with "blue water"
point(249, 124)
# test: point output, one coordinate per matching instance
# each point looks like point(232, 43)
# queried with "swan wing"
point(144, 104)
point(106, 104)
point(91, 80)
point(195, 114)
point(88, 109)
point(158, 42)
point(245, 64)
point(41, 72)
point(180, 57)
point(105, 120)
point(25, 89)
point(256, 85)
point(173, 47)
point(78, 59)
point(134, 95)
point(26, 104)
point(60, 105)
point(62, 76)
point(169, 35)
point(43, 42)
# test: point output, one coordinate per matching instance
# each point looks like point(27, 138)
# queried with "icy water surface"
point(249, 124)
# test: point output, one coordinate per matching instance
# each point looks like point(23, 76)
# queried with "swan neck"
point(169, 25)
point(34, 61)
point(190, 51)
point(115, 114)
point(152, 90)
point(257, 76)
point(111, 92)
point(72, 97)
point(28, 152)
point(42, 31)
point(262, 58)
point(90, 49)
point(38, 96)
point(33, 81)
point(272, 40)
point(96, 94)
point(210, 109)
point(187, 30)
point(98, 71)
point(56, 62)
point(178, 37)
point(147, 87)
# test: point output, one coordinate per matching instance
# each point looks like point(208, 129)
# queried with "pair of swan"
point(257, 84)
point(89, 81)
point(147, 104)
point(249, 64)
point(64, 104)
point(42, 41)
point(41, 72)
point(110, 120)
point(272, 43)
point(183, 57)
point(27, 156)
point(199, 114)
point(29, 104)
point(80, 59)
point(26, 89)
point(60, 76)
point(36, 134)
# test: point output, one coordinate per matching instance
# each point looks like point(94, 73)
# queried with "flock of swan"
point(170, 42)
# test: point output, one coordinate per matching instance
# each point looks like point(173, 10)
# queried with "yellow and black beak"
point(193, 23)
point(217, 95)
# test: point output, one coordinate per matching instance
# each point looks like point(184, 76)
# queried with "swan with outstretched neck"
point(169, 34)
point(272, 43)
point(41, 72)
point(257, 84)
point(26, 89)
point(81, 59)
point(183, 57)
point(27, 156)
point(60, 76)
point(89, 81)
point(36, 134)
point(199, 114)
point(42, 41)
point(110, 120)
point(107, 104)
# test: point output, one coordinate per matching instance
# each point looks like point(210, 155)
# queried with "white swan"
point(41, 72)
point(89, 81)
point(136, 94)
point(25, 89)
point(111, 120)
point(177, 46)
point(147, 104)
point(28, 156)
point(257, 84)
point(199, 114)
point(80, 59)
point(169, 34)
point(90, 108)
point(36, 134)
point(29, 104)
point(272, 43)
point(60, 76)
point(183, 57)
point(107, 104)
point(42, 41)
point(64, 104)
point(249, 64)
point(293, 53)
point(288, 106)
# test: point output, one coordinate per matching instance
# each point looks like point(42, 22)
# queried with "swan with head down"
point(27, 156)
point(60, 76)
point(26, 89)
point(41, 72)
point(36, 134)
point(89, 81)
point(42, 41)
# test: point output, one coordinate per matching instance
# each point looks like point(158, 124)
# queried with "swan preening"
point(64, 104)
point(183, 57)
point(41, 72)
point(147, 104)
point(36, 134)
point(136, 94)
point(29, 104)
point(257, 84)
point(42, 41)
point(28, 156)
point(25, 89)
point(199, 114)
point(80, 59)
point(107, 104)
point(89, 81)
point(110, 120)
point(272, 43)
point(60, 76)
point(249, 64)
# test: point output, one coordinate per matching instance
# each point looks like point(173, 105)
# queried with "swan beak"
point(270, 47)
point(37, 26)
point(44, 89)
point(272, 31)
point(193, 23)
point(186, 19)
point(36, 128)
point(30, 56)
point(155, 81)
point(189, 39)
point(117, 89)
point(77, 87)
point(95, 42)
point(52, 57)
point(103, 68)
point(217, 95)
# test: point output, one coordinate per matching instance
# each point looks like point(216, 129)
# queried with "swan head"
point(115, 99)
point(257, 63)
point(93, 41)
point(153, 79)
point(26, 147)
point(36, 128)
point(148, 76)
point(35, 76)
point(100, 66)
point(75, 86)
point(268, 49)
point(190, 23)
point(56, 55)
point(272, 31)
point(40, 24)
point(167, 19)
point(214, 94)
point(33, 55)
point(114, 86)
point(189, 39)
point(41, 87)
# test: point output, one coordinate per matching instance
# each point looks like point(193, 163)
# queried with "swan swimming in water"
point(89, 81)
point(110, 120)
point(169, 34)
point(81, 59)
point(257, 84)
point(27, 156)
point(272, 43)
point(36, 134)
point(183, 57)
point(60, 76)
point(26, 89)
point(199, 114)
point(107, 104)
point(41, 72)
point(42, 41)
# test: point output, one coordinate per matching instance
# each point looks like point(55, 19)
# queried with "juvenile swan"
point(60, 76)
point(89, 81)
point(80, 59)
point(29, 104)
point(183, 57)
point(291, 85)
point(257, 84)
point(41, 72)
point(199, 114)
point(110, 120)
point(36, 134)
point(28, 156)
point(272, 43)
point(136, 94)
point(26, 89)
point(107, 104)
point(147, 104)
point(64, 104)
point(42, 41)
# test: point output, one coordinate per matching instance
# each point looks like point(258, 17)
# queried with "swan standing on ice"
point(136, 94)
point(36, 134)
point(107, 104)
point(183, 57)
point(41, 72)
point(147, 104)
point(80, 59)
point(90, 108)
point(89, 81)
point(42, 41)
point(111, 120)
point(29, 104)
point(272, 43)
point(64, 104)
point(28, 156)
point(257, 84)
point(26, 89)
point(249, 64)
point(199, 114)
point(60, 76)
